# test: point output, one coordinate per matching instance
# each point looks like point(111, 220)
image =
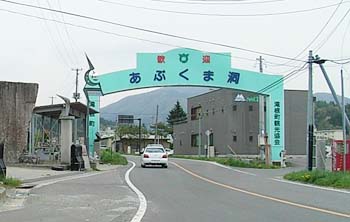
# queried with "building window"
point(250, 107)
point(92, 104)
point(91, 123)
point(213, 111)
point(207, 113)
point(222, 109)
point(92, 114)
point(250, 138)
point(234, 138)
point(194, 140)
point(196, 112)
point(234, 107)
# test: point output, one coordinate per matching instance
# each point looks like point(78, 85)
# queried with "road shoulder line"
point(143, 202)
point(271, 198)
point(310, 185)
point(219, 165)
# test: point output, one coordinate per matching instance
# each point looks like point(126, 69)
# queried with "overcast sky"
point(44, 52)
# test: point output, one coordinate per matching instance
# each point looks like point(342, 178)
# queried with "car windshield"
point(155, 150)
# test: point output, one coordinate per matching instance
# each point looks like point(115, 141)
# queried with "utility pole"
point(261, 115)
point(52, 97)
point(344, 120)
point(156, 134)
point(260, 59)
point(199, 134)
point(76, 95)
point(310, 122)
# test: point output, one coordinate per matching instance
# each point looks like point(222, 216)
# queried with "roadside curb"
point(2, 194)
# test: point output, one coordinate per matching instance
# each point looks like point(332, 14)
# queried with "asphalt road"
point(101, 197)
point(199, 191)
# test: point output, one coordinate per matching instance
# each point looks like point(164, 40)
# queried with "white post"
point(66, 138)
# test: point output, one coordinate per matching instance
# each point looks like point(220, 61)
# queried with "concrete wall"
point(295, 113)
point(17, 101)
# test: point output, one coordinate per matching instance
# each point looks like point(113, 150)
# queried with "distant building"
point(232, 117)
point(122, 144)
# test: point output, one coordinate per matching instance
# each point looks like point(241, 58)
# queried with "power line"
point(59, 34)
point(319, 33)
point(126, 36)
point(332, 32)
point(151, 41)
point(218, 3)
point(70, 39)
point(220, 15)
point(281, 80)
point(53, 42)
point(339, 63)
point(153, 31)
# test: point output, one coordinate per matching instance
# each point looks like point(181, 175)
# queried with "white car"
point(154, 154)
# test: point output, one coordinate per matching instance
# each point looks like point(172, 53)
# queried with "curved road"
point(200, 191)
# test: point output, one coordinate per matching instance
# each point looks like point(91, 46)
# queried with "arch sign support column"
point(188, 67)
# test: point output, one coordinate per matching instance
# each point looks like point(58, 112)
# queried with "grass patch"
point(113, 158)
point(10, 182)
point(321, 178)
point(229, 161)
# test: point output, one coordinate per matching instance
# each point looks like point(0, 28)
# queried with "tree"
point(163, 129)
point(176, 114)
point(132, 130)
point(328, 115)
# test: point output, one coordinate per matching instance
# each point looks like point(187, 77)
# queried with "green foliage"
point(328, 115)
point(104, 123)
point(321, 178)
point(232, 162)
point(124, 129)
point(163, 129)
point(176, 114)
point(113, 158)
point(10, 182)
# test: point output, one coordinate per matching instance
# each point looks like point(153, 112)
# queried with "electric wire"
point(221, 15)
point(53, 42)
point(332, 32)
point(69, 37)
point(120, 35)
point(70, 59)
point(265, 89)
point(318, 34)
point(153, 31)
point(343, 39)
point(218, 2)
point(281, 80)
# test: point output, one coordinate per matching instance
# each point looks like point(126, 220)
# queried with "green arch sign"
point(188, 67)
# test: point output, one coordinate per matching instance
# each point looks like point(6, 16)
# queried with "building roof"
point(77, 109)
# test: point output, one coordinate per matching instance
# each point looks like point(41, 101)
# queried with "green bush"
point(113, 158)
point(321, 178)
point(10, 182)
